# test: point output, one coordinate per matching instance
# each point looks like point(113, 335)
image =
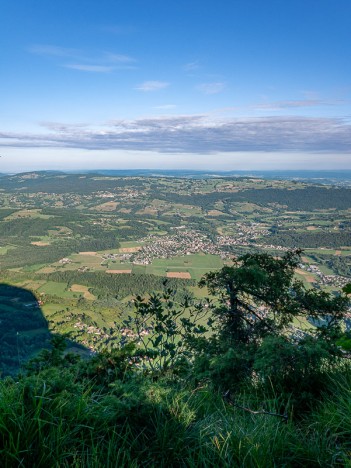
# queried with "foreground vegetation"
point(85, 244)
point(225, 382)
point(57, 418)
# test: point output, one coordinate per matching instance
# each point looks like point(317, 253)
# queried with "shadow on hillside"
point(23, 329)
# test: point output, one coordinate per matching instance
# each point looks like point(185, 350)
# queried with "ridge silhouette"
point(24, 329)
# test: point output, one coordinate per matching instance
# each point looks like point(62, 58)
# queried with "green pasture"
point(196, 264)
point(116, 265)
point(158, 232)
point(5, 248)
point(33, 268)
point(81, 260)
point(28, 213)
point(203, 261)
point(60, 231)
point(128, 245)
point(57, 289)
point(303, 279)
point(42, 238)
point(319, 251)
point(49, 309)
point(139, 269)
point(246, 207)
point(199, 293)
point(324, 269)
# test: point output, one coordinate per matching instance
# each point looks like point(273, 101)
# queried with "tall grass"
point(54, 419)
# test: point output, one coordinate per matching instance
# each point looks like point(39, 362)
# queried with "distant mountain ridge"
point(321, 177)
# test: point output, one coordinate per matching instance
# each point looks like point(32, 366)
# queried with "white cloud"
point(291, 104)
point(89, 61)
point(192, 66)
point(196, 134)
point(211, 88)
point(89, 68)
point(152, 86)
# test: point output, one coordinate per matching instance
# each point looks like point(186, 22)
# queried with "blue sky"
point(231, 84)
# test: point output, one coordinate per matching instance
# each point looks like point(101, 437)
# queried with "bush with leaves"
point(167, 332)
point(256, 340)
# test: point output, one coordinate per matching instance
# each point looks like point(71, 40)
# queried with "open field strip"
point(129, 244)
point(40, 243)
point(307, 276)
point(29, 213)
point(83, 289)
point(178, 274)
point(107, 206)
point(119, 272)
point(130, 249)
point(57, 289)
point(34, 285)
point(85, 260)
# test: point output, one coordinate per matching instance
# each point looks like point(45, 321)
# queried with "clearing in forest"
point(47, 269)
point(108, 206)
point(84, 290)
point(215, 213)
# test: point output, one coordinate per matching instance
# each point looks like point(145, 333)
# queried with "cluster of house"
point(184, 242)
point(123, 193)
point(327, 280)
point(187, 241)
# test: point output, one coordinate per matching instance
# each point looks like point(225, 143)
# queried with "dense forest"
point(64, 183)
point(26, 255)
point(118, 285)
point(293, 239)
point(306, 199)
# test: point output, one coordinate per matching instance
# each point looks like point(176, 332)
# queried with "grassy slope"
point(57, 418)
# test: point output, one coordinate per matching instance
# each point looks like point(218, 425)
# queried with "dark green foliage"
point(118, 285)
point(293, 239)
point(297, 371)
point(26, 255)
point(340, 265)
point(256, 342)
point(306, 199)
point(66, 183)
point(255, 296)
point(167, 331)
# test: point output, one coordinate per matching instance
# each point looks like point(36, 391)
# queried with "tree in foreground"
point(262, 327)
point(270, 328)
